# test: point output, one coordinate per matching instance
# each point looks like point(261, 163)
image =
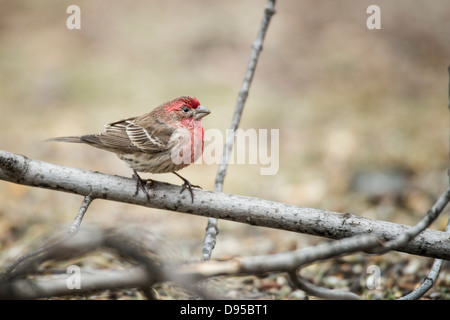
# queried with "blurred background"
point(362, 114)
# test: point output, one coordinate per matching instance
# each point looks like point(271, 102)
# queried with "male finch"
point(166, 139)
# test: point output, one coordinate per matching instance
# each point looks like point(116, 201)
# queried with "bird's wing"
point(148, 139)
point(129, 135)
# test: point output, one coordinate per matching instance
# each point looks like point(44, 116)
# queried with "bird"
point(164, 140)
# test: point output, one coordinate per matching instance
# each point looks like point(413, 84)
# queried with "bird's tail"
point(72, 139)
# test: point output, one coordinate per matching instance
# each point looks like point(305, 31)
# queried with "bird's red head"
point(177, 104)
point(184, 111)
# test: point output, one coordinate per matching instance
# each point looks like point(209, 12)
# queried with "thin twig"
point(427, 283)
point(211, 228)
point(77, 222)
point(437, 263)
point(324, 293)
point(424, 223)
point(11, 270)
point(283, 261)
point(430, 280)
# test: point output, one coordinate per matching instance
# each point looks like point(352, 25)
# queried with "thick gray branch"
point(20, 169)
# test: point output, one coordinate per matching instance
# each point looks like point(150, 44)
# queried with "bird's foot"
point(187, 185)
point(141, 184)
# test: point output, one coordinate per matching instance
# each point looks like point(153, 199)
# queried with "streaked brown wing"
point(114, 138)
point(128, 135)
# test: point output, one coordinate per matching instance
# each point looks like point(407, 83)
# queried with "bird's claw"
point(141, 184)
point(187, 185)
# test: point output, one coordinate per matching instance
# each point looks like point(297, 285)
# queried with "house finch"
point(166, 139)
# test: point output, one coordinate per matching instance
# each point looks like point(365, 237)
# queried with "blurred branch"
point(57, 286)
point(60, 238)
point(147, 268)
point(427, 283)
point(320, 292)
point(437, 263)
point(435, 269)
point(259, 212)
point(424, 223)
point(209, 241)
point(291, 260)
point(143, 273)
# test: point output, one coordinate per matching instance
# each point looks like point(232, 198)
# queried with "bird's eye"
point(185, 109)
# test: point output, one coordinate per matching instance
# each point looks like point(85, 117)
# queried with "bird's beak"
point(201, 112)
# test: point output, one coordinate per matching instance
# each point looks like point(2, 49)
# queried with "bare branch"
point(429, 280)
point(147, 267)
point(320, 292)
point(53, 242)
point(129, 246)
point(285, 261)
point(427, 283)
point(211, 229)
point(20, 169)
point(424, 223)
point(84, 206)
point(43, 288)
point(437, 264)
